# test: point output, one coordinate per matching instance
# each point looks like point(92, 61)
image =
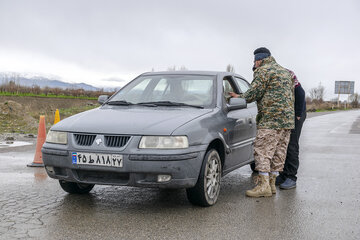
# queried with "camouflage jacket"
point(273, 90)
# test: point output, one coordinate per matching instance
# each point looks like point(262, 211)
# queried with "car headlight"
point(56, 137)
point(166, 142)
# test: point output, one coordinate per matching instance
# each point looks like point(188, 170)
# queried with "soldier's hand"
point(234, 95)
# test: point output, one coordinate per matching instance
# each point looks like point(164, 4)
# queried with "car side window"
point(243, 85)
point(227, 87)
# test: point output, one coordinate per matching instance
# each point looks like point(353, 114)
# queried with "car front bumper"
point(140, 168)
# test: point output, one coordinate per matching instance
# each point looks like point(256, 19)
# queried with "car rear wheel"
point(206, 191)
point(72, 187)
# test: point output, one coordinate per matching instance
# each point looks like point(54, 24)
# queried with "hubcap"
point(212, 177)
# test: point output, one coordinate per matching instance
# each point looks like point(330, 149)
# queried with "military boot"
point(262, 188)
point(272, 178)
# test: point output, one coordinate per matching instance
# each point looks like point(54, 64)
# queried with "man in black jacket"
point(287, 179)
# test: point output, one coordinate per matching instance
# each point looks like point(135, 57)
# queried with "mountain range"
point(43, 82)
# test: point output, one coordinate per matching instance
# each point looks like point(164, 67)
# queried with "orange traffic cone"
point(57, 116)
point(38, 162)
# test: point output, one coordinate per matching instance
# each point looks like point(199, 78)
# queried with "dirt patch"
point(21, 114)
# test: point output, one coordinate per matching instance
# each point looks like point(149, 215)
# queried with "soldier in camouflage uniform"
point(272, 89)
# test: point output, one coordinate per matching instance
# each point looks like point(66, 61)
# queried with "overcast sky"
point(99, 42)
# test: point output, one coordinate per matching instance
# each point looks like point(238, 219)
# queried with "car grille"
point(84, 139)
point(116, 141)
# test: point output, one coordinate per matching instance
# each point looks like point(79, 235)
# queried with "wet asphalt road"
point(325, 204)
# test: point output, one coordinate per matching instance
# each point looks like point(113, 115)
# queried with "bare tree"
point(308, 100)
point(354, 100)
point(333, 100)
point(35, 89)
point(230, 68)
point(317, 94)
point(172, 68)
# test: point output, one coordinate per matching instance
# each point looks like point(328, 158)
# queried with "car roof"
point(211, 73)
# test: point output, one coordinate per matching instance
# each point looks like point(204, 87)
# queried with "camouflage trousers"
point(270, 149)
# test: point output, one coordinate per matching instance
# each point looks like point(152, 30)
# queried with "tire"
point(252, 166)
point(77, 188)
point(206, 191)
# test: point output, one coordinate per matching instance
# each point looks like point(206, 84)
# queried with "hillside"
point(21, 114)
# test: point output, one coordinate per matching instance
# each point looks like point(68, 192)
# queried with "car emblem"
point(98, 141)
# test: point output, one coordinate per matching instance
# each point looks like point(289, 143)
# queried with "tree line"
point(17, 89)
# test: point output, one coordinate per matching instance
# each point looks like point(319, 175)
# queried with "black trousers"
point(292, 156)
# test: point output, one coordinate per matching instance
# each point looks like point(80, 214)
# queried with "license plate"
point(111, 160)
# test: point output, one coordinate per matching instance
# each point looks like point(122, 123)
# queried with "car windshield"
point(168, 90)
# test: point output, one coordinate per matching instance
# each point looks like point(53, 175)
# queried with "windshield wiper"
point(169, 103)
point(148, 104)
point(153, 104)
point(122, 102)
point(125, 103)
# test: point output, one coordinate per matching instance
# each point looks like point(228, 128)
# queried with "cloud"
point(114, 80)
point(93, 41)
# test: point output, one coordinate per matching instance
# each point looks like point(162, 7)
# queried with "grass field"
point(20, 114)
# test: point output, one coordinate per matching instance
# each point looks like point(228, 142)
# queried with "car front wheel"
point(72, 187)
point(206, 191)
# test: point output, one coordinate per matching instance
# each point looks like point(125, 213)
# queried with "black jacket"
point(300, 103)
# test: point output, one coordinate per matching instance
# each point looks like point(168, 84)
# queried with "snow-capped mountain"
point(41, 81)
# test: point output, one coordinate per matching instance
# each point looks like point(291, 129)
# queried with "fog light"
point(163, 178)
point(50, 169)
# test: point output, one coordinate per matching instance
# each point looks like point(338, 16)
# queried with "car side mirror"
point(237, 103)
point(103, 98)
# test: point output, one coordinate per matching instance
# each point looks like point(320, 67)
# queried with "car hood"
point(130, 120)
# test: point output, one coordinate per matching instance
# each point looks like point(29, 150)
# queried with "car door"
point(243, 86)
point(239, 131)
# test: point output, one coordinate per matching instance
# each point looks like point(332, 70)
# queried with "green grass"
point(327, 110)
point(332, 110)
point(45, 96)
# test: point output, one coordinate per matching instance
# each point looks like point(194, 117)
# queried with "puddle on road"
point(40, 174)
point(13, 144)
point(355, 128)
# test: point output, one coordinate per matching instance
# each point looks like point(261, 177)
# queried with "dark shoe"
point(279, 180)
point(288, 184)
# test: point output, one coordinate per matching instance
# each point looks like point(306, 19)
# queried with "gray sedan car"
point(163, 130)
